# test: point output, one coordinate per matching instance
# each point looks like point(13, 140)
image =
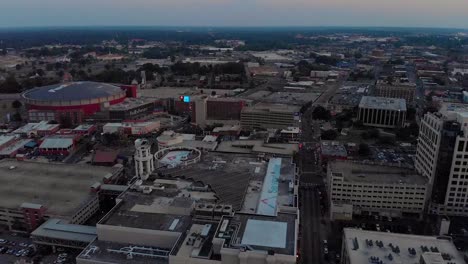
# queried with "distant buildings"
point(363, 189)
point(405, 91)
point(382, 112)
point(265, 116)
point(360, 246)
point(132, 127)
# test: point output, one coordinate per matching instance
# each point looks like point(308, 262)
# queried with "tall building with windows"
point(357, 188)
point(442, 157)
point(266, 116)
point(405, 91)
point(382, 112)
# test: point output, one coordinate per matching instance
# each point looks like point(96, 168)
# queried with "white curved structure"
point(144, 161)
point(169, 138)
point(181, 156)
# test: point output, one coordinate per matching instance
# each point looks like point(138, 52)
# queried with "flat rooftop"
point(333, 148)
point(365, 251)
point(228, 175)
point(267, 233)
point(166, 208)
point(271, 108)
point(373, 173)
point(98, 251)
point(130, 103)
point(383, 103)
point(61, 188)
point(257, 146)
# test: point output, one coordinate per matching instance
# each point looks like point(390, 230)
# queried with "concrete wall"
point(144, 237)
point(235, 256)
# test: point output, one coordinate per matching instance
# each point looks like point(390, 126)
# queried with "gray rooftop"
point(102, 255)
point(280, 232)
point(55, 229)
point(383, 103)
point(167, 207)
point(61, 188)
point(363, 253)
point(375, 173)
point(273, 108)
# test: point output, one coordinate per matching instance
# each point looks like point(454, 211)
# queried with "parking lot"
point(14, 247)
point(18, 246)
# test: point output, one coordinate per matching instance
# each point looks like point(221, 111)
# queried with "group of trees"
point(187, 68)
point(304, 68)
point(320, 113)
point(361, 75)
point(329, 135)
point(10, 85)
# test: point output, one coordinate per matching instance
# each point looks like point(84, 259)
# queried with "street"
point(313, 224)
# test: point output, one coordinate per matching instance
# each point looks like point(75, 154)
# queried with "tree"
point(65, 121)
point(320, 113)
point(40, 72)
point(364, 149)
point(410, 113)
point(10, 85)
point(17, 117)
point(372, 133)
point(16, 104)
point(329, 135)
point(387, 140)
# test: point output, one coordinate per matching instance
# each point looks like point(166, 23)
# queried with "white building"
point(360, 188)
point(132, 128)
point(144, 160)
point(361, 246)
point(442, 157)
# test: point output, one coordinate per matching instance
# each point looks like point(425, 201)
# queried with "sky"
point(392, 13)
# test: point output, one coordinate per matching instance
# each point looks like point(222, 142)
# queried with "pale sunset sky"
point(406, 13)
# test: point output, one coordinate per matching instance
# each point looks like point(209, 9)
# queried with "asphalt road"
point(312, 178)
point(310, 222)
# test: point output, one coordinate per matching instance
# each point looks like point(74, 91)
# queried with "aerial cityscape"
point(249, 142)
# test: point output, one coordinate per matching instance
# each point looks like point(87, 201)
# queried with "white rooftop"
point(385, 103)
point(269, 195)
point(363, 253)
point(265, 233)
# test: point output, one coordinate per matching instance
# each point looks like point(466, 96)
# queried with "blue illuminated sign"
point(186, 99)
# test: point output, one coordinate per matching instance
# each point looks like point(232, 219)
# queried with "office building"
point(357, 188)
point(382, 112)
point(442, 157)
point(360, 246)
point(223, 109)
point(265, 116)
point(405, 91)
point(31, 192)
point(207, 220)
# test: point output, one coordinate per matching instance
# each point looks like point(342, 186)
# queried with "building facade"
point(266, 116)
point(405, 91)
point(363, 189)
point(382, 112)
point(442, 157)
point(224, 109)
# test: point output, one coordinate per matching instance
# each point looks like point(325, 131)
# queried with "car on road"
point(3, 241)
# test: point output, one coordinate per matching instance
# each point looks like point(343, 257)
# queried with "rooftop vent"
point(355, 244)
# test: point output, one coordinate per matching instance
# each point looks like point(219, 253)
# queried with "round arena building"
point(85, 97)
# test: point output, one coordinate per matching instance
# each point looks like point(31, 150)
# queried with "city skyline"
point(398, 13)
